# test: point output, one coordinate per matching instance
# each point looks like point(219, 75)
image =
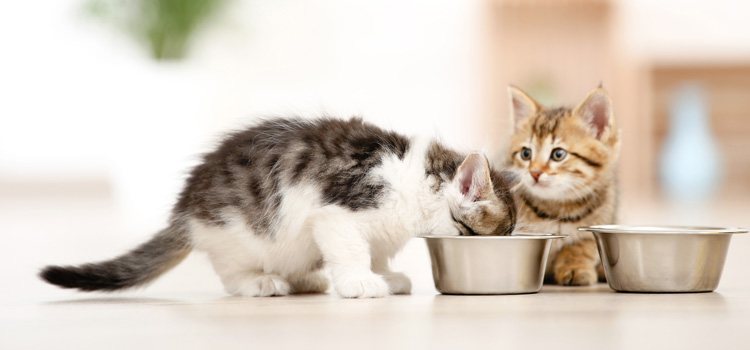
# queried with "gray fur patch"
point(251, 168)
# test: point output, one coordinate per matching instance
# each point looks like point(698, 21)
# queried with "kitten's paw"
point(365, 285)
point(313, 282)
point(575, 275)
point(398, 283)
point(261, 285)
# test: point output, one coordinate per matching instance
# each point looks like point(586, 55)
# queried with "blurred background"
point(106, 104)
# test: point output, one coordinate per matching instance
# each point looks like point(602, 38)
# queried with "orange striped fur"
point(566, 159)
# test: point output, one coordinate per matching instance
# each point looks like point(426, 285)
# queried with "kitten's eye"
point(525, 154)
point(558, 154)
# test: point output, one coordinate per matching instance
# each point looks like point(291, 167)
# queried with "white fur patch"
point(350, 243)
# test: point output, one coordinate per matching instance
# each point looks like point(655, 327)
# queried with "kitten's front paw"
point(261, 285)
point(575, 275)
point(366, 285)
point(398, 283)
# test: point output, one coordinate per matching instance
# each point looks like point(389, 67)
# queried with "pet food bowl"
point(489, 264)
point(662, 259)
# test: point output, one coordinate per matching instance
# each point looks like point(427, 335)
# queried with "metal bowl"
point(489, 264)
point(662, 259)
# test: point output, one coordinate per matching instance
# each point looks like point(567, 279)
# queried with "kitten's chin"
point(554, 193)
point(548, 192)
point(542, 192)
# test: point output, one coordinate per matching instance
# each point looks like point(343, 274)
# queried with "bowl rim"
point(663, 229)
point(512, 236)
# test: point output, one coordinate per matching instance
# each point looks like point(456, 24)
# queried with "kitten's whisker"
point(515, 187)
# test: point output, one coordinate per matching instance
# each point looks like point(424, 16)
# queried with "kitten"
point(566, 159)
point(277, 202)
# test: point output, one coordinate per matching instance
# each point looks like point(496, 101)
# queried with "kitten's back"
point(252, 167)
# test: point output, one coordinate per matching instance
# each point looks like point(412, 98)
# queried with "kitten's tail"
point(137, 267)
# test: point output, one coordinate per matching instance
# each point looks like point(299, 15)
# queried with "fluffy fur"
point(277, 202)
point(566, 159)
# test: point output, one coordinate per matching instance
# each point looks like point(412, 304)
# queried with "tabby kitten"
point(566, 159)
point(277, 202)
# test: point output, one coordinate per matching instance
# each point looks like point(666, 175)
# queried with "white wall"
point(686, 30)
point(83, 101)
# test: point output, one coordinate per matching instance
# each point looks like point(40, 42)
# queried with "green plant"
point(164, 26)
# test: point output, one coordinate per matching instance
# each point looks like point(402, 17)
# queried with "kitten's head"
point(480, 200)
point(563, 154)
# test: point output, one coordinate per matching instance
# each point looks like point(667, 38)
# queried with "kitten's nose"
point(536, 174)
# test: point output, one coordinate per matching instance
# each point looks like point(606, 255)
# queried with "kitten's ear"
point(522, 105)
point(596, 110)
point(473, 177)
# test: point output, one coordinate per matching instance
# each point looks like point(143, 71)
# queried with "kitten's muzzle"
point(535, 174)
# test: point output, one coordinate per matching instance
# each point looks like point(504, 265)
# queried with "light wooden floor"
point(188, 309)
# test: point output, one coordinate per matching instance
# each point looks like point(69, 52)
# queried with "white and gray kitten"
point(277, 202)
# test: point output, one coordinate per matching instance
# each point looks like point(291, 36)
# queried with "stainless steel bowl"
point(662, 259)
point(489, 264)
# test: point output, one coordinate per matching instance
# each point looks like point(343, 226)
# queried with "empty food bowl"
point(489, 264)
point(662, 259)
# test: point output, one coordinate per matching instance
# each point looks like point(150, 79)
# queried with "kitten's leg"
point(312, 282)
point(239, 279)
point(237, 257)
point(575, 264)
point(347, 253)
point(398, 283)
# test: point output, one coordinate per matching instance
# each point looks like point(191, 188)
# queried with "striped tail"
point(135, 268)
